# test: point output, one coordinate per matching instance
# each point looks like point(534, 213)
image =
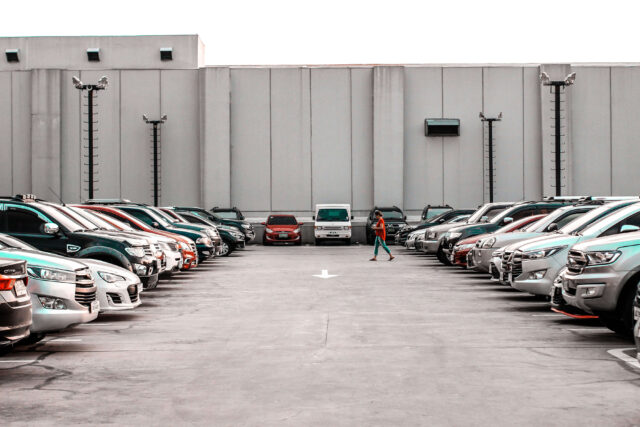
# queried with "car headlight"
point(135, 242)
point(431, 235)
point(110, 277)
point(463, 247)
point(347, 227)
point(454, 235)
point(184, 246)
point(210, 233)
point(319, 227)
point(136, 251)
point(246, 226)
point(488, 243)
point(498, 254)
point(542, 253)
point(53, 274)
point(297, 230)
point(268, 230)
point(203, 241)
point(602, 257)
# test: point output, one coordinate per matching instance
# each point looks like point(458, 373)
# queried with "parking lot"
point(258, 339)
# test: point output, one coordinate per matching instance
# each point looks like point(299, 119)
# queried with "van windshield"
point(332, 215)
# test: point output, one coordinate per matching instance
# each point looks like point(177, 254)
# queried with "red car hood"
point(282, 227)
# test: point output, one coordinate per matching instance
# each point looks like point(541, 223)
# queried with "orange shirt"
point(383, 232)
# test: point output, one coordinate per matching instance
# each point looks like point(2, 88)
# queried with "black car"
point(430, 211)
point(41, 225)
point(15, 302)
point(513, 213)
point(430, 221)
point(394, 220)
point(218, 216)
point(232, 238)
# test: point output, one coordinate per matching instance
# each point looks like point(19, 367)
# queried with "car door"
point(27, 224)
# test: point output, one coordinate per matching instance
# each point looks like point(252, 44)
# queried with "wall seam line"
point(610, 133)
point(12, 130)
point(270, 146)
point(523, 147)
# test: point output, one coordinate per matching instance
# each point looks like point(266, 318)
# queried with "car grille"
point(148, 250)
point(576, 262)
point(85, 298)
point(333, 227)
point(85, 287)
point(115, 298)
point(132, 290)
point(494, 272)
point(506, 257)
point(193, 247)
point(516, 264)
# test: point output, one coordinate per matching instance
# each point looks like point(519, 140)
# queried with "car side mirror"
point(263, 223)
point(155, 224)
point(628, 228)
point(50, 228)
point(301, 223)
point(484, 219)
point(507, 220)
point(552, 227)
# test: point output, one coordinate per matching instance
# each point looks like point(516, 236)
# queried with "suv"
point(15, 302)
point(430, 212)
point(394, 220)
point(41, 225)
point(231, 237)
point(515, 212)
point(533, 265)
point(403, 233)
point(214, 217)
point(228, 213)
point(602, 278)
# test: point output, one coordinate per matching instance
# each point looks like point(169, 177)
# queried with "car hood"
point(560, 239)
point(613, 242)
point(505, 239)
point(444, 227)
point(282, 227)
point(42, 259)
point(98, 234)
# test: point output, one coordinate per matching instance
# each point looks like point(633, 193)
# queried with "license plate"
point(94, 307)
point(20, 288)
point(636, 313)
point(283, 235)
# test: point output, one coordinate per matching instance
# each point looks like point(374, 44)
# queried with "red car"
point(462, 248)
point(282, 228)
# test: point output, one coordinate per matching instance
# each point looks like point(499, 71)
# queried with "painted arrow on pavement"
point(325, 275)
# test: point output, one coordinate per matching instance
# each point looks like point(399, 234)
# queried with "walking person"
point(381, 235)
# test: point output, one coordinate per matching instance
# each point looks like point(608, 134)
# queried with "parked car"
point(482, 253)
point(602, 276)
point(430, 212)
point(532, 265)
point(185, 238)
point(430, 221)
point(228, 213)
point(332, 222)
point(415, 239)
point(282, 229)
point(514, 212)
point(15, 302)
point(232, 238)
point(43, 226)
point(460, 252)
point(394, 220)
point(230, 217)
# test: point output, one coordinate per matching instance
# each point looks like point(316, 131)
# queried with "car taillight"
point(7, 283)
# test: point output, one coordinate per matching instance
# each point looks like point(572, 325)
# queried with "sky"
point(249, 32)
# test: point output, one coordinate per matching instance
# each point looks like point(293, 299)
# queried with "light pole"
point(557, 86)
point(490, 121)
point(155, 124)
point(101, 85)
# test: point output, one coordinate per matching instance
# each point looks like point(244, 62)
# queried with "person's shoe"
point(391, 258)
point(373, 259)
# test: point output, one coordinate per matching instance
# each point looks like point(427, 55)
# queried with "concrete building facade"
point(283, 138)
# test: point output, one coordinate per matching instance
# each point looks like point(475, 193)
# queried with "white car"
point(332, 222)
point(118, 288)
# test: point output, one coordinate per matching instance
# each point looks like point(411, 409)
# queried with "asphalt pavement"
point(266, 337)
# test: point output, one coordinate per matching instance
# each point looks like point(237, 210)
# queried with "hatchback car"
point(283, 229)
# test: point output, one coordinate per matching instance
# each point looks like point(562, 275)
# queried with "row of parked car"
point(61, 265)
point(581, 253)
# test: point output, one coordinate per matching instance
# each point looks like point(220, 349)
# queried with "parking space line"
point(19, 361)
point(547, 315)
point(619, 353)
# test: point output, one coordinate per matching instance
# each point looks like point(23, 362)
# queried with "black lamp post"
point(156, 147)
point(557, 87)
point(490, 121)
point(101, 85)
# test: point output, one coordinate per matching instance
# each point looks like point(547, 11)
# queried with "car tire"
point(33, 338)
point(442, 257)
point(299, 242)
point(225, 250)
point(347, 242)
point(621, 321)
point(318, 241)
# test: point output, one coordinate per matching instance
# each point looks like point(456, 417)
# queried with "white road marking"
point(18, 361)
point(548, 315)
point(594, 330)
point(64, 340)
point(619, 353)
point(325, 275)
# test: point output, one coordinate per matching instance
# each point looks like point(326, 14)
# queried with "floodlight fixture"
point(570, 79)
point(544, 78)
point(102, 83)
point(77, 82)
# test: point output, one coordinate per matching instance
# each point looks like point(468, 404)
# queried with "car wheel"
point(224, 250)
point(33, 338)
point(442, 257)
point(621, 321)
point(299, 242)
point(347, 242)
point(318, 241)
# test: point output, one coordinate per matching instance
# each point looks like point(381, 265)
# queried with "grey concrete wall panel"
point(140, 94)
point(45, 133)
point(6, 164)
point(423, 156)
point(361, 138)
point(250, 139)
point(290, 139)
point(118, 52)
point(330, 135)
point(388, 136)
point(179, 138)
point(72, 122)
point(625, 128)
point(532, 134)
point(556, 72)
point(215, 136)
point(463, 155)
point(503, 92)
point(21, 131)
point(591, 139)
point(106, 130)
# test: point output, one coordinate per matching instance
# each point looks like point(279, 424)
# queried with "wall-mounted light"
point(166, 53)
point(93, 54)
point(12, 55)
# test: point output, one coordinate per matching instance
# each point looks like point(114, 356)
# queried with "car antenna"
point(57, 196)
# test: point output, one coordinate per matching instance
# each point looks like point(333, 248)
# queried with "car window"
point(595, 215)
point(227, 214)
point(11, 242)
point(194, 218)
point(117, 223)
point(615, 229)
point(392, 214)
point(20, 220)
point(141, 215)
point(433, 212)
point(122, 218)
point(523, 213)
point(282, 220)
point(332, 214)
point(568, 218)
point(64, 210)
point(90, 216)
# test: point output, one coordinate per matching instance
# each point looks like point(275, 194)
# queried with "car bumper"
point(606, 289)
point(249, 235)
point(149, 282)
point(15, 322)
point(541, 286)
point(205, 252)
point(410, 244)
point(49, 320)
point(430, 246)
point(276, 237)
point(481, 258)
point(119, 295)
point(339, 234)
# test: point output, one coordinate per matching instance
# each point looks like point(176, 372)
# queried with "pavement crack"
point(326, 331)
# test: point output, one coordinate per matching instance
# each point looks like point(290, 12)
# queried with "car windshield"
point(88, 225)
point(12, 242)
point(89, 216)
point(158, 217)
point(61, 218)
point(488, 210)
point(391, 214)
point(516, 225)
point(459, 218)
point(579, 224)
point(332, 215)
point(117, 223)
point(282, 220)
point(608, 220)
point(435, 212)
point(227, 214)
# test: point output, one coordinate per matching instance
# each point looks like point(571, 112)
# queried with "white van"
point(333, 222)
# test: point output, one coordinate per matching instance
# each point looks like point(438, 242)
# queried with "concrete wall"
point(281, 139)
